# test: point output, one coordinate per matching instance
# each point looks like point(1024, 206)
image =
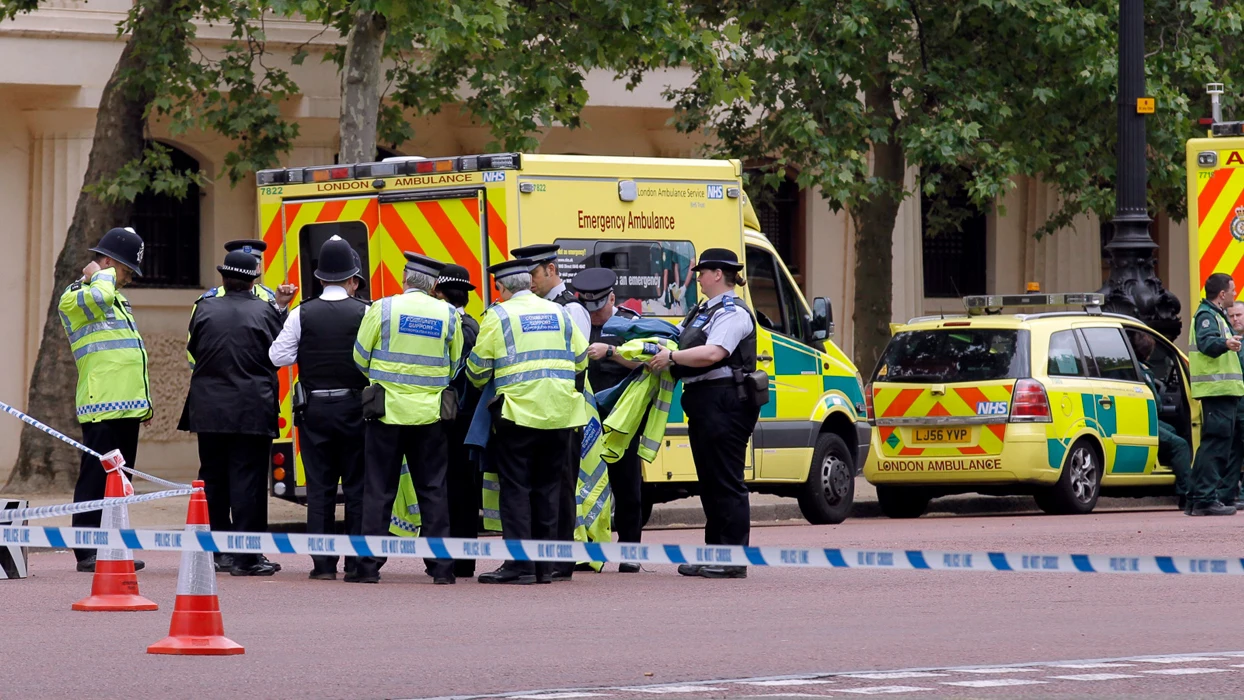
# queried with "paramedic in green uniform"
point(1217, 381)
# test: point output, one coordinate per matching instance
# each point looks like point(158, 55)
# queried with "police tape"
point(37, 512)
point(33, 422)
point(533, 550)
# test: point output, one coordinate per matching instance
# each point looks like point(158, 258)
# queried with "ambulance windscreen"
point(954, 356)
point(654, 277)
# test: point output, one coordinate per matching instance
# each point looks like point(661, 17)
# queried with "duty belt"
point(332, 392)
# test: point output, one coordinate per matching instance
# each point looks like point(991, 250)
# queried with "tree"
point(160, 75)
point(853, 93)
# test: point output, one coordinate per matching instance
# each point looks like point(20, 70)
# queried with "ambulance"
point(1215, 167)
point(645, 218)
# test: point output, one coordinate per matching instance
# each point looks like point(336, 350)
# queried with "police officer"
point(532, 352)
point(1217, 380)
point(114, 392)
point(463, 478)
point(232, 404)
point(718, 339)
point(547, 282)
point(409, 345)
point(319, 335)
point(607, 369)
point(284, 293)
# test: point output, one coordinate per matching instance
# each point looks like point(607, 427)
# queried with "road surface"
point(781, 632)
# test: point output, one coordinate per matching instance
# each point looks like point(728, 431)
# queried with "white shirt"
point(726, 329)
point(578, 314)
point(284, 350)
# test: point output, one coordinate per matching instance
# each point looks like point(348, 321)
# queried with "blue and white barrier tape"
point(65, 438)
point(8, 516)
point(531, 550)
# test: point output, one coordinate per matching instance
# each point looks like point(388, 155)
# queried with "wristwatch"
point(609, 352)
point(671, 352)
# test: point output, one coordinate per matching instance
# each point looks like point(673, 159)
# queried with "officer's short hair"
point(515, 283)
point(233, 284)
point(1216, 284)
point(419, 280)
point(455, 296)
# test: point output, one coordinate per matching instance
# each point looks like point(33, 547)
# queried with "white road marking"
point(1097, 665)
point(1094, 677)
point(881, 689)
point(1186, 671)
point(556, 696)
point(893, 675)
point(993, 683)
point(997, 670)
point(663, 689)
point(1178, 659)
point(793, 681)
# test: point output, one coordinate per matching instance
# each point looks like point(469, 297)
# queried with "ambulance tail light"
point(335, 172)
point(868, 404)
point(281, 469)
point(1029, 403)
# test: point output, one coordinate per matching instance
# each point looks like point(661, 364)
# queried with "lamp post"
point(1133, 288)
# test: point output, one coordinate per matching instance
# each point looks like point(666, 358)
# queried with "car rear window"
point(954, 355)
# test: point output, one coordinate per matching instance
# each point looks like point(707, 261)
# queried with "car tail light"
point(1029, 402)
point(868, 403)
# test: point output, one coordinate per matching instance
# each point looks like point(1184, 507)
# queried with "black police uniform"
point(233, 405)
point(594, 285)
point(330, 426)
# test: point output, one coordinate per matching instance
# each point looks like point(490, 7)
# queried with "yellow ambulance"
point(645, 218)
point(1054, 404)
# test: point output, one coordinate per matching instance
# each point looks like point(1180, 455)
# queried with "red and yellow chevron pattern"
point(898, 401)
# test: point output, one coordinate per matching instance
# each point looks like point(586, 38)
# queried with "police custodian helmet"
point(124, 246)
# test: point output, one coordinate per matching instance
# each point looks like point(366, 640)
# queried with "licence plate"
point(941, 436)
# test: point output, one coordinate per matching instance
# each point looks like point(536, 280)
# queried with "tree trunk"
point(874, 237)
point(360, 87)
point(42, 461)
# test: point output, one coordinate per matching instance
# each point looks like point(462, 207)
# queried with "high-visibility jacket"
point(1214, 370)
point(593, 495)
point(492, 502)
point(405, 520)
point(531, 350)
point(410, 345)
point(645, 400)
point(111, 358)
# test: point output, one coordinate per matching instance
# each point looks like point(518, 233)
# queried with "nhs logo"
point(991, 408)
point(716, 191)
point(494, 176)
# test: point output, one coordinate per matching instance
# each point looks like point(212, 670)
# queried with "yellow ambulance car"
point(645, 218)
point(1052, 404)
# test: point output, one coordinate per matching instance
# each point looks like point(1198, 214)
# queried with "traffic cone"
point(197, 627)
point(115, 586)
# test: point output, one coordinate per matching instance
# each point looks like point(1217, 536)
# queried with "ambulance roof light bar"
point(994, 303)
point(391, 167)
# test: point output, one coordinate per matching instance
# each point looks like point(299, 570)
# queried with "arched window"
point(954, 237)
point(170, 231)
point(777, 209)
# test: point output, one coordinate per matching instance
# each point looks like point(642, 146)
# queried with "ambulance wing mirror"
point(822, 319)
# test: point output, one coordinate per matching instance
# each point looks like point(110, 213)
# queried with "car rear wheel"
point(828, 494)
point(1078, 486)
point(902, 502)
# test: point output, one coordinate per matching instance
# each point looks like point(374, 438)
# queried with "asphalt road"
point(781, 632)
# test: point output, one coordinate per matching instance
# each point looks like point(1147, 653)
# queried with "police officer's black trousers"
point(718, 427)
point(567, 503)
point(531, 467)
point(1211, 468)
point(465, 495)
point(626, 482)
point(425, 448)
point(103, 437)
point(330, 436)
point(234, 470)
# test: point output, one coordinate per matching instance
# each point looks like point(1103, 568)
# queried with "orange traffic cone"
point(115, 586)
point(197, 627)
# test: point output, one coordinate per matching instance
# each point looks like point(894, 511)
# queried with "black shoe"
point(724, 572)
point(1183, 502)
point(87, 566)
point(139, 564)
point(1214, 508)
point(691, 569)
point(1188, 508)
point(1238, 505)
point(628, 568)
point(223, 562)
point(563, 571)
point(444, 580)
point(505, 574)
point(362, 574)
point(264, 560)
point(262, 567)
point(325, 575)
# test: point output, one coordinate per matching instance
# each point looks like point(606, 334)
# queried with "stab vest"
point(693, 336)
point(326, 345)
point(605, 373)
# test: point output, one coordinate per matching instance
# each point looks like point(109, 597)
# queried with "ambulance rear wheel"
point(901, 502)
point(1078, 486)
point(828, 494)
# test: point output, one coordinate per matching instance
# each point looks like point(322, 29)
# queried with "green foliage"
point(996, 88)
